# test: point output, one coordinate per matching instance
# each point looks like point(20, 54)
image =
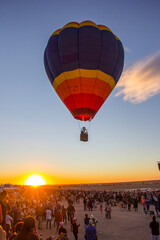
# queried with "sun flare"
point(35, 180)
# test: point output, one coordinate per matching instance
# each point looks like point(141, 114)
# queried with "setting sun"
point(35, 180)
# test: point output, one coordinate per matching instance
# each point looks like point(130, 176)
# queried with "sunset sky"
point(37, 132)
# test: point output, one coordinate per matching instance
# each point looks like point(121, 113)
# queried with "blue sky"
point(37, 132)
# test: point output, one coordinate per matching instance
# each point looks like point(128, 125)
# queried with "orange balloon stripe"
point(83, 96)
point(83, 85)
point(83, 73)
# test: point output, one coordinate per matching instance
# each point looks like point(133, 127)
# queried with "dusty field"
point(124, 225)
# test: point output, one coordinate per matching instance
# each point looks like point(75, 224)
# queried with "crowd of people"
point(22, 210)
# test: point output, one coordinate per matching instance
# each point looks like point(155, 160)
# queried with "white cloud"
point(140, 81)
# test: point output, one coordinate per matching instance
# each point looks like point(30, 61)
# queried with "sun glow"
point(35, 180)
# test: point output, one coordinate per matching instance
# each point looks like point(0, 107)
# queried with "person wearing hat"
point(2, 208)
point(75, 227)
point(61, 228)
point(154, 225)
point(91, 233)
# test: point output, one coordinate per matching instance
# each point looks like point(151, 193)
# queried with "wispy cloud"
point(140, 81)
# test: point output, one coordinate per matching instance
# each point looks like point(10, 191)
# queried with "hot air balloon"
point(83, 62)
point(158, 165)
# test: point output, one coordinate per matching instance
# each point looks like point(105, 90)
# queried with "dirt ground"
point(123, 225)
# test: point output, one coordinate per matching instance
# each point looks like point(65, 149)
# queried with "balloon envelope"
point(83, 62)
